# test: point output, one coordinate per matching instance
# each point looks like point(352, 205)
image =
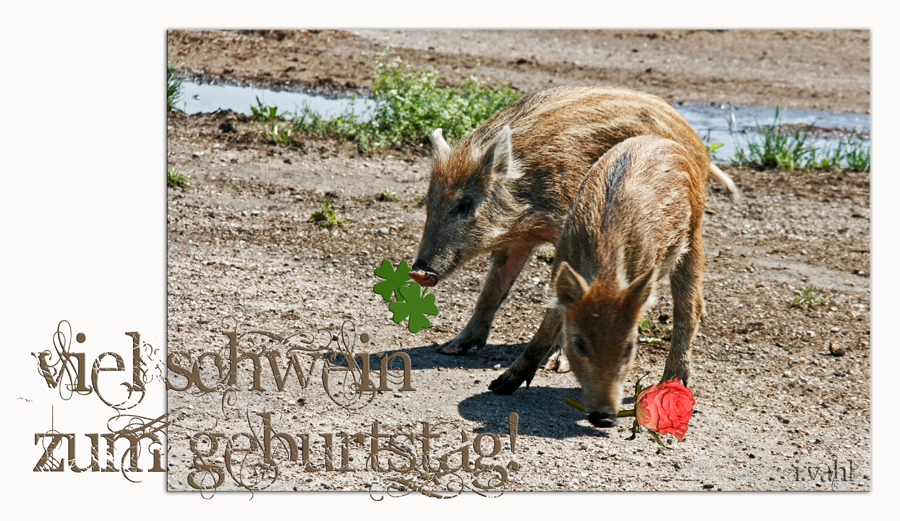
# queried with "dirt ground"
point(826, 70)
point(775, 409)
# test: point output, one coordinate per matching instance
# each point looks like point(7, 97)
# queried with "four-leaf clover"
point(393, 279)
point(411, 301)
point(415, 305)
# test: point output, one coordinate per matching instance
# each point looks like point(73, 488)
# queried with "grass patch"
point(547, 255)
point(408, 105)
point(790, 148)
point(174, 87)
point(326, 216)
point(175, 179)
point(710, 146)
point(809, 296)
point(387, 195)
point(853, 155)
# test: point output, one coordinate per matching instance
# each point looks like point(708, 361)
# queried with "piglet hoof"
point(506, 383)
point(558, 362)
point(458, 348)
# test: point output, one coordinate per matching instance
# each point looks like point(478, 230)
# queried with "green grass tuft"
point(387, 195)
point(174, 86)
point(326, 216)
point(408, 105)
point(788, 148)
point(547, 255)
point(808, 296)
point(174, 179)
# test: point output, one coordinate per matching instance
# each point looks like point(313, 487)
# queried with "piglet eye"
point(581, 345)
point(465, 206)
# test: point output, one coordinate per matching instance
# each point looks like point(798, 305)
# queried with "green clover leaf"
point(393, 279)
point(416, 305)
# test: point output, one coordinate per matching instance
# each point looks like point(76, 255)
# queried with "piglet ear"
point(641, 288)
point(439, 147)
point(570, 286)
point(498, 158)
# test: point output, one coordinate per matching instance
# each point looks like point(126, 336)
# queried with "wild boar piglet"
point(636, 217)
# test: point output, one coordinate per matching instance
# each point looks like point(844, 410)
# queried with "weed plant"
point(809, 296)
point(788, 148)
point(326, 216)
point(408, 105)
point(175, 179)
point(387, 195)
point(547, 255)
point(174, 86)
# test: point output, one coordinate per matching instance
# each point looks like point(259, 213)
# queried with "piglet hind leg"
point(505, 267)
point(524, 368)
point(687, 295)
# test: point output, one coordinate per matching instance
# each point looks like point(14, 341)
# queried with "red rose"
point(665, 408)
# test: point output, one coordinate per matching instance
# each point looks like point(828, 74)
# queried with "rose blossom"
point(665, 408)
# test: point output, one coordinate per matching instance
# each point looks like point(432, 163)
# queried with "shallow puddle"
point(710, 120)
point(204, 97)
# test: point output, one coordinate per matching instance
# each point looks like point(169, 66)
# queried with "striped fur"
point(516, 176)
point(636, 218)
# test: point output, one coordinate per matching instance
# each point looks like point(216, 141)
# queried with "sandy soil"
point(775, 408)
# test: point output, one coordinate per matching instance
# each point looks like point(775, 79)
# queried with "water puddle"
point(710, 120)
point(205, 97)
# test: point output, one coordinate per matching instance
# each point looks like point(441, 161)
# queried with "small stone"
point(837, 349)
point(708, 486)
point(835, 329)
point(497, 367)
point(382, 231)
point(786, 374)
